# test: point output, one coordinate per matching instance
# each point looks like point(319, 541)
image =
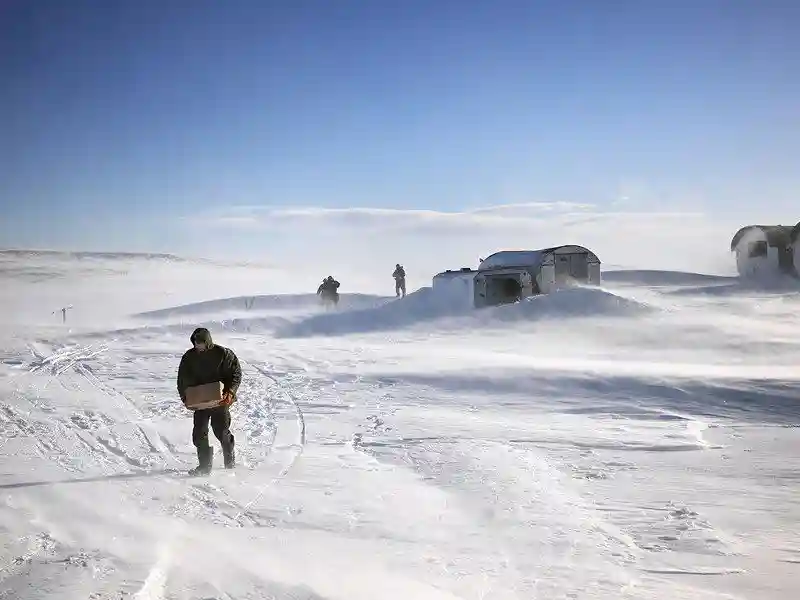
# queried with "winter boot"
point(205, 458)
point(229, 455)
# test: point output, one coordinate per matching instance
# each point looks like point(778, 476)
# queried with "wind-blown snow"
point(637, 440)
point(358, 243)
point(421, 308)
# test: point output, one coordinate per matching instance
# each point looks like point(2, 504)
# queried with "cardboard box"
point(207, 395)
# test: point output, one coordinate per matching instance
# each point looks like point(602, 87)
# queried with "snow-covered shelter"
point(765, 250)
point(511, 275)
point(459, 285)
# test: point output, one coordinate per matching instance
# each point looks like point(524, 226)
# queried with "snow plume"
point(361, 244)
point(428, 308)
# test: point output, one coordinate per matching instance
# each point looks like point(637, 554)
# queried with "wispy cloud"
point(516, 215)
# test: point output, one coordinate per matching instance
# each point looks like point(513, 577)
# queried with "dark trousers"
point(220, 417)
point(400, 287)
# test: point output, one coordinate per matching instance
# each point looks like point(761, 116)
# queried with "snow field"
point(637, 441)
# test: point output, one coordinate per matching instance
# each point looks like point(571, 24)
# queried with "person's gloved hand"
point(227, 398)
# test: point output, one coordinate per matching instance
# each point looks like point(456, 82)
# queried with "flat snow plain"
point(637, 441)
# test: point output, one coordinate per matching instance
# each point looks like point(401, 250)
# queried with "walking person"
point(204, 363)
point(328, 290)
point(399, 280)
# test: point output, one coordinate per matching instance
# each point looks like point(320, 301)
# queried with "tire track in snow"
point(212, 499)
point(299, 446)
point(108, 390)
point(93, 434)
point(74, 359)
point(48, 437)
point(206, 494)
point(44, 436)
point(107, 451)
point(62, 360)
point(104, 450)
point(291, 401)
point(207, 498)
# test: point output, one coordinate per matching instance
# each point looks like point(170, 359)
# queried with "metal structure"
point(767, 250)
point(509, 276)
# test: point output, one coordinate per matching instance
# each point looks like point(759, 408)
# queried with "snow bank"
point(420, 306)
point(427, 305)
point(567, 303)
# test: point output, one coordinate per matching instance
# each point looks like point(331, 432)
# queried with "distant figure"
point(328, 290)
point(399, 280)
point(208, 362)
point(63, 312)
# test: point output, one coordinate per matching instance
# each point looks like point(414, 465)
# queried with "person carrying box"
point(208, 379)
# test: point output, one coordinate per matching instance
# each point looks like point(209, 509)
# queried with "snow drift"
point(417, 307)
point(426, 305)
point(573, 302)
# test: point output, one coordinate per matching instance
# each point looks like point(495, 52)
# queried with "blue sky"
point(118, 119)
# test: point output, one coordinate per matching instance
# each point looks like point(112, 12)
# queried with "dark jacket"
point(329, 286)
point(217, 363)
point(399, 274)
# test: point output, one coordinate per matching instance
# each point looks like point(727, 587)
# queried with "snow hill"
point(637, 440)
